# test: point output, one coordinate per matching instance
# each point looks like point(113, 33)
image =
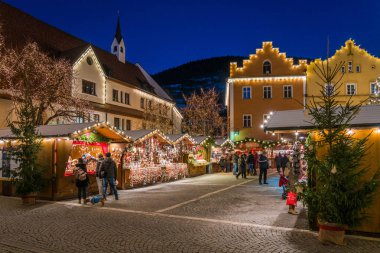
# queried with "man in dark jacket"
point(109, 170)
point(284, 162)
point(242, 167)
point(277, 159)
point(263, 164)
point(251, 164)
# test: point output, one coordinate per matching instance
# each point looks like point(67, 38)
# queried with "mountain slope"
point(189, 77)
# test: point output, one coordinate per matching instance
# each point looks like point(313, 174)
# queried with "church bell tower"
point(118, 46)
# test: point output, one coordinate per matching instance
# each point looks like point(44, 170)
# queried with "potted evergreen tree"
point(337, 193)
point(28, 176)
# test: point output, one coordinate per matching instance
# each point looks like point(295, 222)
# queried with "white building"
point(120, 92)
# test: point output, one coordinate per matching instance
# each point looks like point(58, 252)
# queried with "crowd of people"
point(106, 174)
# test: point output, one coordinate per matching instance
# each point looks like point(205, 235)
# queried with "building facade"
point(359, 72)
point(268, 81)
point(120, 92)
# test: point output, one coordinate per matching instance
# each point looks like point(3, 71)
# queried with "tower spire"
point(118, 46)
point(118, 35)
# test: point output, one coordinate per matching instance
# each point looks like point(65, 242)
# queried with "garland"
point(93, 137)
point(264, 144)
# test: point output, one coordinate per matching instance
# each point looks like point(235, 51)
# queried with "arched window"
point(267, 67)
point(115, 49)
point(121, 49)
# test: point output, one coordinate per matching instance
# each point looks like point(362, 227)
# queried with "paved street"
point(211, 213)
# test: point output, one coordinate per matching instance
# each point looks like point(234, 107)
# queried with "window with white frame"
point(358, 69)
point(288, 91)
point(246, 92)
point(329, 89)
point(374, 88)
point(267, 92)
point(351, 89)
point(350, 66)
point(247, 120)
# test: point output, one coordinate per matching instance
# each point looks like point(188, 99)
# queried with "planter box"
point(331, 232)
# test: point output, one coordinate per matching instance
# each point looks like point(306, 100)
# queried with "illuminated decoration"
point(264, 144)
point(155, 132)
point(90, 53)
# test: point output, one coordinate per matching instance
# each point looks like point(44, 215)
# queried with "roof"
point(199, 139)
point(71, 130)
point(141, 135)
point(61, 44)
point(178, 137)
point(157, 88)
point(222, 141)
point(368, 116)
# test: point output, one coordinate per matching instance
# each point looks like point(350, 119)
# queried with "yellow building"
point(267, 81)
point(360, 71)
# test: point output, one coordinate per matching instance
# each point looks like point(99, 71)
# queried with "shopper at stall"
point(81, 180)
point(222, 164)
point(99, 178)
point(229, 163)
point(284, 162)
point(235, 160)
point(109, 170)
point(251, 164)
point(263, 165)
point(277, 160)
point(242, 167)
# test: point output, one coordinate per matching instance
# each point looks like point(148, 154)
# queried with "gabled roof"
point(200, 139)
point(175, 138)
point(141, 135)
point(72, 130)
point(368, 116)
point(20, 28)
point(223, 141)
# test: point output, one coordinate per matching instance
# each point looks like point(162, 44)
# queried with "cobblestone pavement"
point(211, 213)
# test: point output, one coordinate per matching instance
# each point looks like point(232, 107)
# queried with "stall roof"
point(175, 138)
point(199, 139)
point(368, 116)
point(223, 141)
point(71, 130)
point(141, 135)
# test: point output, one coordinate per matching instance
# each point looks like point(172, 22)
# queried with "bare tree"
point(31, 76)
point(202, 114)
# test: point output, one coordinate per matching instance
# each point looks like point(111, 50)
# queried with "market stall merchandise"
point(199, 158)
point(152, 158)
point(220, 153)
point(61, 147)
point(183, 144)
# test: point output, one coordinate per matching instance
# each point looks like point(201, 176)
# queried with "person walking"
point(99, 178)
point(235, 160)
point(242, 167)
point(263, 165)
point(277, 160)
point(222, 164)
point(284, 162)
point(109, 170)
point(251, 164)
point(81, 180)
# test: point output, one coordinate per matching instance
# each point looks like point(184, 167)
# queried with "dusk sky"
point(160, 34)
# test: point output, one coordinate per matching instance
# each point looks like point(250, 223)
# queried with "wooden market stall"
point(152, 158)
point(365, 123)
point(183, 144)
point(222, 149)
point(200, 157)
point(62, 145)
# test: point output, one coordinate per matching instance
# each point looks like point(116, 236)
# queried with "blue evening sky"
point(165, 33)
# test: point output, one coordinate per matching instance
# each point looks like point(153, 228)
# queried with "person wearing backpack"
point(108, 170)
point(81, 180)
